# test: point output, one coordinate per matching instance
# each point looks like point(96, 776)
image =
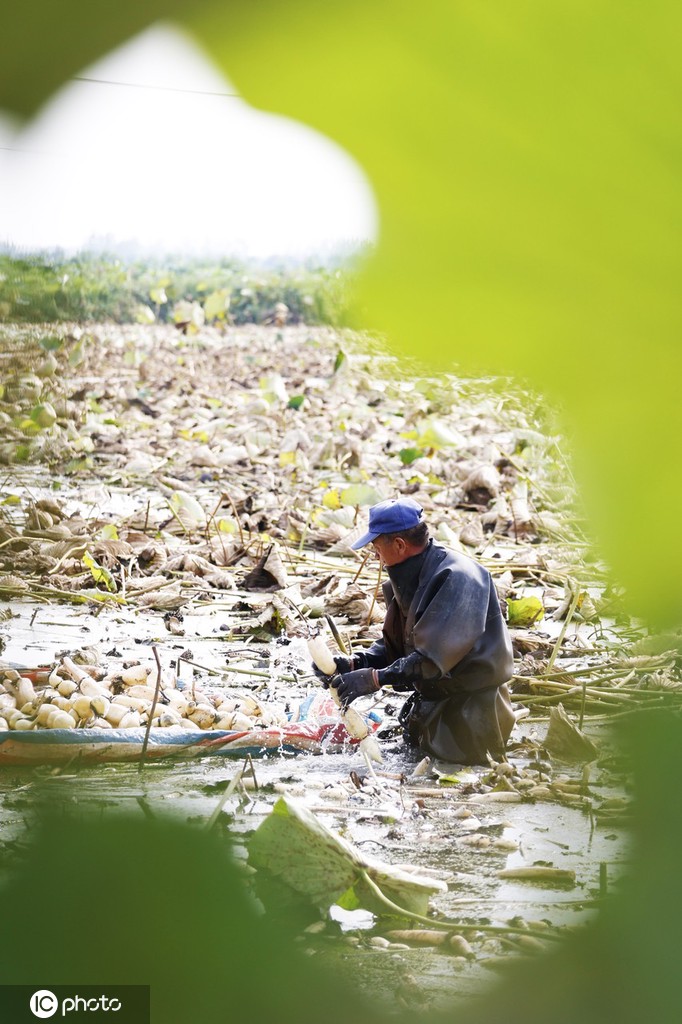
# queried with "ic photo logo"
point(44, 1003)
point(121, 1004)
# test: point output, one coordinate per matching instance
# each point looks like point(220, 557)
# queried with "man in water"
point(444, 639)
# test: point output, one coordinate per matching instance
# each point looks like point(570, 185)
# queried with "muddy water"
point(460, 830)
point(398, 828)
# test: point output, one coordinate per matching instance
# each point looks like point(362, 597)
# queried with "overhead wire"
point(162, 88)
point(129, 85)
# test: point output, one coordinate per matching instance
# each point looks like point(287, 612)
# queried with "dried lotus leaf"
point(187, 562)
point(220, 579)
point(268, 574)
point(308, 857)
point(48, 505)
point(482, 484)
point(109, 551)
point(13, 584)
point(164, 600)
point(355, 604)
point(220, 550)
point(471, 533)
point(145, 584)
point(74, 547)
point(565, 741)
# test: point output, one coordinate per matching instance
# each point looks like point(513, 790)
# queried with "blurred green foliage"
point(526, 160)
point(41, 43)
point(124, 900)
point(89, 287)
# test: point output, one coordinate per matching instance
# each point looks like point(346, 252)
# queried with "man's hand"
point(356, 684)
point(342, 665)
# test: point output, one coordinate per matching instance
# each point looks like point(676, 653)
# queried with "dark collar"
point(404, 577)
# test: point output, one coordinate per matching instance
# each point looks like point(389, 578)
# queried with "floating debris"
point(539, 874)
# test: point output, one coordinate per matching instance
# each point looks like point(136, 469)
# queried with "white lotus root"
point(136, 674)
point(355, 724)
point(321, 655)
point(88, 697)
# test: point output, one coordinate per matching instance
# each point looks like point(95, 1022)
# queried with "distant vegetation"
point(43, 288)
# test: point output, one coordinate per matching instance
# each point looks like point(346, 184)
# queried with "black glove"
point(352, 685)
point(342, 665)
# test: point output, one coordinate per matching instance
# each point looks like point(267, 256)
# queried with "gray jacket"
point(454, 620)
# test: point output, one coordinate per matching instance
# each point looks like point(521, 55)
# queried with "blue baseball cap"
point(390, 516)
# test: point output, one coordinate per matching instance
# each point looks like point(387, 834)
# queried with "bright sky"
point(175, 170)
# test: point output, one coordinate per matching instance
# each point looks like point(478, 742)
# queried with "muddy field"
point(198, 495)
